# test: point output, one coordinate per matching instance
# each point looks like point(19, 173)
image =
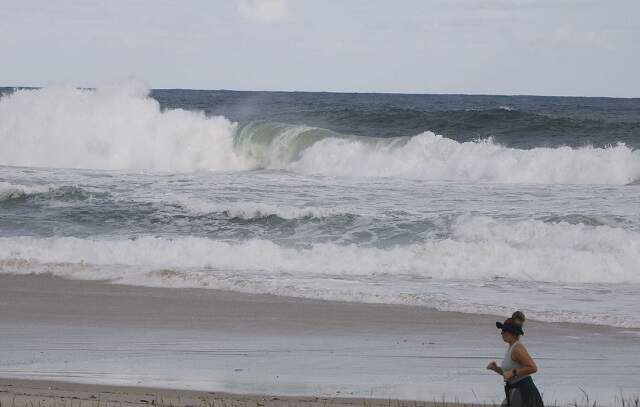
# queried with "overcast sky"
point(544, 47)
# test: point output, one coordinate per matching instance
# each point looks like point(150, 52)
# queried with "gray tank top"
point(508, 363)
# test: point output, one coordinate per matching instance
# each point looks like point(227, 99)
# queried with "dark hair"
point(509, 326)
point(518, 315)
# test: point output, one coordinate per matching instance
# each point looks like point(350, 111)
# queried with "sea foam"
point(252, 210)
point(432, 157)
point(111, 128)
point(10, 191)
point(480, 249)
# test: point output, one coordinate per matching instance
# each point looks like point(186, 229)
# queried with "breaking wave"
point(9, 191)
point(312, 150)
point(122, 128)
point(432, 157)
point(481, 248)
point(111, 128)
point(252, 210)
point(18, 192)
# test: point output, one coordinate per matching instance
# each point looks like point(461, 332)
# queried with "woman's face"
point(507, 336)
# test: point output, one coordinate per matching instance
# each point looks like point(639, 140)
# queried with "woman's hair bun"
point(518, 315)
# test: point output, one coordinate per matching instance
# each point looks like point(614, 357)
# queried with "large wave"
point(122, 128)
point(432, 157)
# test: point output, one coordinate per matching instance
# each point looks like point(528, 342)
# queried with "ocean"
point(478, 204)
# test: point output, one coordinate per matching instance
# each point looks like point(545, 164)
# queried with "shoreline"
point(233, 343)
point(177, 296)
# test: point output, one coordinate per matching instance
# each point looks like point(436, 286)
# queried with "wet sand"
point(215, 341)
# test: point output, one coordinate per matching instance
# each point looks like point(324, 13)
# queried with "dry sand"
point(30, 393)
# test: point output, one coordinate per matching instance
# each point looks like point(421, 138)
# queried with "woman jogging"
point(516, 369)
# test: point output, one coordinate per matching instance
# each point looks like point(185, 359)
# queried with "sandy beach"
point(46, 393)
point(216, 341)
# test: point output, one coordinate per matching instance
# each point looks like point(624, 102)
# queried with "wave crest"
point(432, 157)
point(251, 210)
point(428, 156)
point(9, 191)
point(17, 192)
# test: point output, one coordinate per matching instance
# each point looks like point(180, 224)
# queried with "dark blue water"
point(515, 121)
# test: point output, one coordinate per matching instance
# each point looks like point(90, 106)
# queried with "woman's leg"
point(515, 399)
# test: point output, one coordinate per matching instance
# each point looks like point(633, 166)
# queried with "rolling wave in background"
point(122, 128)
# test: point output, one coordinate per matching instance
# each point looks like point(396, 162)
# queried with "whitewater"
point(330, 197)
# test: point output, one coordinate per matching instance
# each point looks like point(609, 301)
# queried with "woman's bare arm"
point(520, 355)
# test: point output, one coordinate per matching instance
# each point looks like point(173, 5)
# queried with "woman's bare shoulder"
point(519, 348)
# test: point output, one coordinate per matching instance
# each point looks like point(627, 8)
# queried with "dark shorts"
point(523, 393)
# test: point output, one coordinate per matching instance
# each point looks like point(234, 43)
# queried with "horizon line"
point(344, 92)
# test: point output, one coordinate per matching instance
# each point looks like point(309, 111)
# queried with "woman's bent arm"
point(520, 355)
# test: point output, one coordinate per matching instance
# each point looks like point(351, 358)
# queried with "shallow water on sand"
point(424, 366)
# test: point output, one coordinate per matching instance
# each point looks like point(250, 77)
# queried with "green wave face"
point(273, 145)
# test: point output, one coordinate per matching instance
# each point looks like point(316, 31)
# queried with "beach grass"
point(622, 400)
